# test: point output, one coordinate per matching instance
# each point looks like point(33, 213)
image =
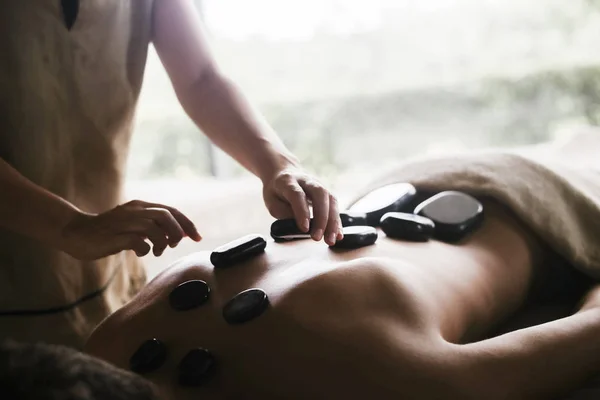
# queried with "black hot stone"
point(189, 295)
point(283, 230)
point(149, 357)
point(407, 226)
point(245, 306)
point(357, 236)
point(196, 367)
point(238, 251)
point(455, 215)
point(353, 219)
point(391, 198)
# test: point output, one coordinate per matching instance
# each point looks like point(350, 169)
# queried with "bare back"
point(340, 324)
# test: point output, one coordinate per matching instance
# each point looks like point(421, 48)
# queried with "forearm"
point(225, 115)
point(30, 210)
point(539, 362)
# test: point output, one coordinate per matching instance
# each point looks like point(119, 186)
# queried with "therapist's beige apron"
point(67, 101)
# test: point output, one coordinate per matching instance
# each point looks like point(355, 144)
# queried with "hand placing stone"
point(150, 356)
point(196, 367)
point(407, 226)
point(238, 251)
point(455, 215)
point(189, 295)
point(245, 306)
point(356, 237)
point(390, 198)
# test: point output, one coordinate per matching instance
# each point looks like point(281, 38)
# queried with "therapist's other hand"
point(126, 227)
point(290, 192)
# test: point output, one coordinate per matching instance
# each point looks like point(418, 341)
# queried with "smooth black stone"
point(353, 219)
point(406, 226)
point(150, 356)
point(356, 237)
point(196, 367)
point(238, 251)
point(245, 306)
point(189, 295)
point(391, 198)
point(70, 10)
point(455, 215)
point(284, 230)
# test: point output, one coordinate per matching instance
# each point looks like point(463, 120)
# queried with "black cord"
point(60, 309)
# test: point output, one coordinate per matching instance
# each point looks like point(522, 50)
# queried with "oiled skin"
point(377, 322)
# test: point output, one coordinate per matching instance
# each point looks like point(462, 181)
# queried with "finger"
point(146, 228)
point(320, 203)
point(334, 223)
point(135, 243)
point(295, 196)
point(184, 222)
point(167, 222)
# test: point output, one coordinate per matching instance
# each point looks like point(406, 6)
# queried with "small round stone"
point(353, 219)
point(395, 197)
point(245, 306)
point(189, 295)
point(149, 357)
point(356, 237)
point(196, 367)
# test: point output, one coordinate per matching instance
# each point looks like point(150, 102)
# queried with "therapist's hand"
point(126, 227)
point(289, 193)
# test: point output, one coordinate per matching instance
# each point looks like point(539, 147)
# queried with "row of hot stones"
point(397, 209)
point(401, 213)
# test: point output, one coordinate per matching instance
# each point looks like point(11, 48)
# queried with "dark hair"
point(50, 372)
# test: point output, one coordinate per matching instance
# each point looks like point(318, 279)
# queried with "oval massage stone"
point(391, 198)
point(356, 237)
point(245, 306)
point(189, 295)
point(283, 230)
point(196, 367)
point(150, 356)
point(353, 219)
point(455, 215)
point(238, 251)
point(406, 226)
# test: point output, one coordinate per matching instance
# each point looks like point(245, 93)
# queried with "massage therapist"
point(70, 77)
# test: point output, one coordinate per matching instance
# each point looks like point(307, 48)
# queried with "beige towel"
point(557, 197)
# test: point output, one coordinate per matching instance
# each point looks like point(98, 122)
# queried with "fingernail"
point(306, 225)
point(318, 234)
point(332, 238)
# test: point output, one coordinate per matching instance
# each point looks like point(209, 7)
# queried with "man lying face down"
point(396, 319)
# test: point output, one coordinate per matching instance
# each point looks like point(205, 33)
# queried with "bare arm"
point(30, 210)
point(225, 115)
point(34, 212)
point(539, 362)
point(214, 102)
